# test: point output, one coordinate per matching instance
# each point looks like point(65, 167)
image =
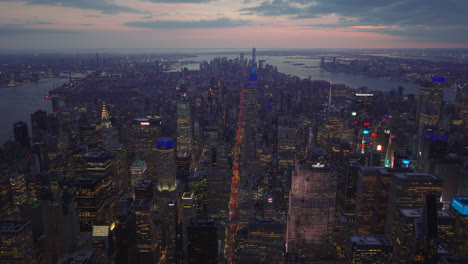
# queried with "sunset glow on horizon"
point(55, 24)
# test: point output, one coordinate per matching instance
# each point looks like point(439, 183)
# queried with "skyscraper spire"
point(253, 61)
point(105, 122)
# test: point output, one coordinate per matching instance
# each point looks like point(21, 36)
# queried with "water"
point(18, 103)
point(351, 80)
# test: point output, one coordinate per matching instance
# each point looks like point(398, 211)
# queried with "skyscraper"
point(311, 207)
point(409, 190)
point(16, 242)
point(166, 166)
point(20, 131)
point(369, 249)
point(184, 128)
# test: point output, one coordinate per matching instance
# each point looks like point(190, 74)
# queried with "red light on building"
point(30, 155)
point(366, 124)
point(356, 122)
point(374, 135)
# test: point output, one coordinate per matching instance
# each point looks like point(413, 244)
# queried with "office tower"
point(217, 192)
point(202, 241)
point(415, 230)
point(18, 189)
point(5, 196)
point(184, 142)
point(347, 186)
point(90, 136)
point(143, 135)
point(20, 131)
point(125, 230)
point(249, 255)
point(39, 125)
point(365, 200)
point(459, 208)
point(189, 209)
point(369, 249)
point(145, 238)
point(197, 184)
point(144, 189)
point(286, 147)
point(364, 100)
point(138, 172)
point(90, 202)
point(109, 134)
point(268, 236)
point(311, 207)
point(16, 242)
point(451, 170)
point(429, 105)
point(409, 190)
point(100, 237)
point(166, 164)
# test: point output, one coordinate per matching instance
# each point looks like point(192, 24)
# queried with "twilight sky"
point(53, 24)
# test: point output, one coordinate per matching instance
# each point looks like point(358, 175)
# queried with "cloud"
point(175, 24)
point(180, 1)
point(106, 7)
point(14, 30)
point(408, 16)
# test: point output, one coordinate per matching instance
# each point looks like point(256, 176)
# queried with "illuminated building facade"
point(166, 164)
point(286, 147)
point(459, 208)
point(267, 235)
point(184, 129)
point(138, 172)
point(365, 200)
point(18, 189)
point(16, 242)
point(145, 237)
point(5, 196)
point(346, 195)
point(311, 208)
point(409, 190)
point(143, 135)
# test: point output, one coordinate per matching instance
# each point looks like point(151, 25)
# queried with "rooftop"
point(13, 226)
point(79, 257)
point(370, 240)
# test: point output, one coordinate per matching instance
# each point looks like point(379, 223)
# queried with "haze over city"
point(194, 24)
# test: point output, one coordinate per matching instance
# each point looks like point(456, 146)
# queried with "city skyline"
point(55, 24)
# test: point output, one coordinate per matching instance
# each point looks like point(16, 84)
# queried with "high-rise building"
point(39, 125)
point(16, 242)
point(369, 249)
point(143, 135)
point(459, 208)
point(138, 172)
point(429, 105)
point(409, 190)
point(166, 164)
point(184, 144)
point(365, 200)
point(346, 195)
point(311, 207)
point(18, 189)
point(147, 246)
point(268, 236)
point(286, 147)
point(202, 241)
point(20, 131)
point(5, 196)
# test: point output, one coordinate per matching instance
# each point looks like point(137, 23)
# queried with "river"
point(18, 103)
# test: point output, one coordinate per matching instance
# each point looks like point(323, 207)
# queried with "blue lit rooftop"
point(460, 204)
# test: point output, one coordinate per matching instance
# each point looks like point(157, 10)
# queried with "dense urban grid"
point(142, 160)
